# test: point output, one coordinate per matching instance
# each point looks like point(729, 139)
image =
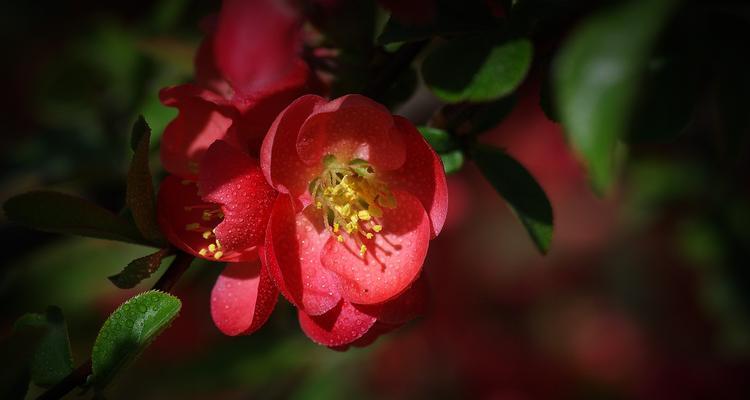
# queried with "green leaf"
point(477, 68)
point(596, 78)
point(128, 331)
point(453, 161)
point(440, 140)
point(52, 360)
point(520, 190)
point(62, 213)
point(139, 269)
point(140, 188)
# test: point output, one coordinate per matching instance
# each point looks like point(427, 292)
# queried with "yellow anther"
point(362, 250)
point(212, 247)
point(375, 211)
point(203, 252)
point(192, 227)
point(351, 197)
point(218, 255)
point(218, 245)
point(377, 228)
point(207, 234)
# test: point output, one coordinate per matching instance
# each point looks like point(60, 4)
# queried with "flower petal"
point(293, 245)
point(422, 175)
point(203, 118)
point(341, 325)
point(234, 180)
point(243, 298)
point(393, 259)
point(407, 306)
point(278, 156)
point(378, 329)
point(180, 215)
point(350, 127)
point(256, 42)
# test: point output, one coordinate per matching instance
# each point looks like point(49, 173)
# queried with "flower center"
point(210, 217)
point(352, 199)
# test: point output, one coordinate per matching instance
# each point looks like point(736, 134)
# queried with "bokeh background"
point(645, 293)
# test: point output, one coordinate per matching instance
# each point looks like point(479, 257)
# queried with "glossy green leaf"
point(596, 77)
point(140, 188)
point(520, 190)
point(62, 213)
point(477, 68)
point(453, 161)
point(128, 331)
point(439, 139)
point(139, 269)
point(52, 360)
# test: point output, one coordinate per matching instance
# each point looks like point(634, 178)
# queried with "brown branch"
point(78, 377)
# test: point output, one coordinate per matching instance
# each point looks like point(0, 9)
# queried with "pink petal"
point(234, 180)
point(350, 127)
point(422, 175)
point(339, 326)
point(293, 245)
point(278, 156)
point(393, 259)
point(203, 118)
point(178, 206)
point(256, 43)
point(242, 299)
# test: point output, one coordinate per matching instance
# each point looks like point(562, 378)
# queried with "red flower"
point(217, 202)
point(362, 194)
point(247, 70)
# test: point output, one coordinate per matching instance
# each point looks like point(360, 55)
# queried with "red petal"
point(421, 175)
point(293, 245)
point(261, 109)
point(179, 206)
point(393, 259)
point(234, 180)
point(256, 43)
point(350, 127)
point(207, 75)
point(242, 299)
point(204, 118)
point(278, 156)
point(339, 326)
point(377, 330)
point(407, 306)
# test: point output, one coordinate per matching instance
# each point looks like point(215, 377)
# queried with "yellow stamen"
point(218, 255)
point(362, 250)
point(377, 228)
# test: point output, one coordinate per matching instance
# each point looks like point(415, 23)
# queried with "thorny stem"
point(78, 377)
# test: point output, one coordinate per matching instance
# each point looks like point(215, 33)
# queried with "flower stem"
point(78, 377)
point(377, 88)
